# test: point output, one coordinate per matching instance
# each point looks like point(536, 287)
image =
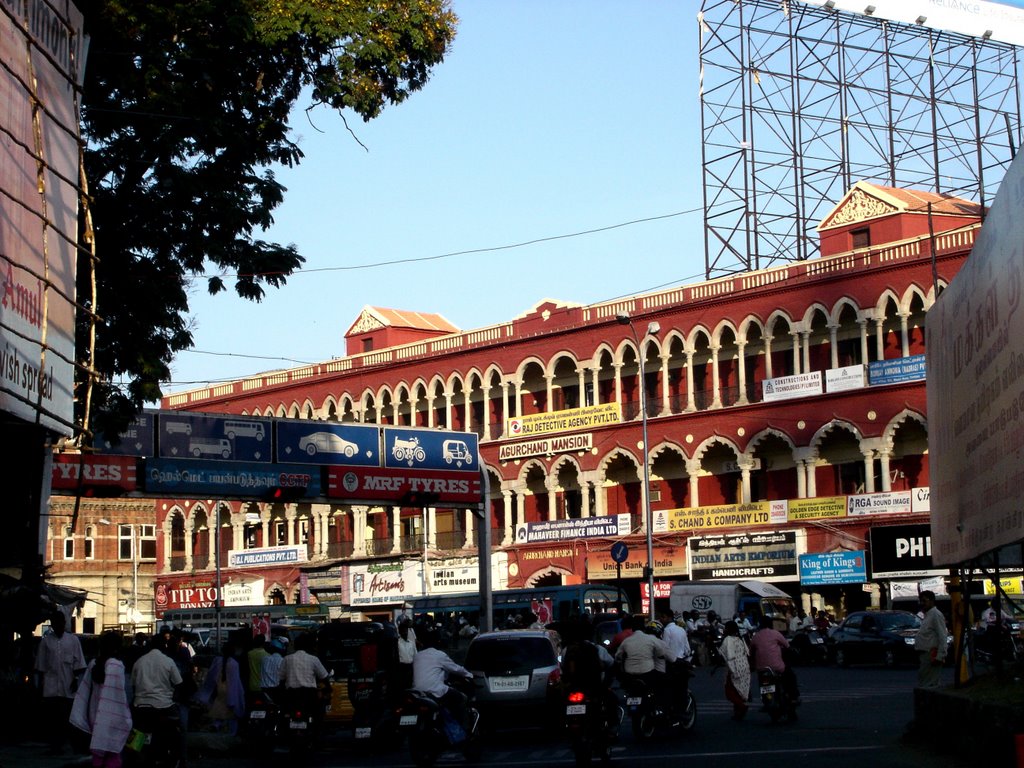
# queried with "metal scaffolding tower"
point(799, 102)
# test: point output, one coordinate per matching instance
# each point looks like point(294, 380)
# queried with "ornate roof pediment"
point(858, 205)
point(366, 322)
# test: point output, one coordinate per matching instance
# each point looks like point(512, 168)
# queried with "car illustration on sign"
point(327, 442)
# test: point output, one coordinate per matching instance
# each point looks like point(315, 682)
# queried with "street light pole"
point(652, 329)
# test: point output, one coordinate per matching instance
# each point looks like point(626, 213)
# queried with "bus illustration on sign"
point(253, 429)
point(456, 451)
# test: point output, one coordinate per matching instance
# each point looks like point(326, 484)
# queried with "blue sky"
point(548, 118)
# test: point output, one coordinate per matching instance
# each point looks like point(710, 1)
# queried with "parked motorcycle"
point(593, 726)
point(649, 715)
point(775, 699)
point(432, 730)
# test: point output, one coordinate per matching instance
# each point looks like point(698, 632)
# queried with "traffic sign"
point(136, 440)
point(620, 552)
point(303, 441)
point(218, 438)
point(430, 449)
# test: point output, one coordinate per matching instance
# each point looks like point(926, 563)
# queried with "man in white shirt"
point(59, 667)
point(431, 670)
point(301, 675)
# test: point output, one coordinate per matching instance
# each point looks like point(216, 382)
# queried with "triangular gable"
point(375, 318)
point(867, 201)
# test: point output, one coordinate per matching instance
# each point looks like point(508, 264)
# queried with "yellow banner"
point(811, 509)
point(1011, 586)
point(708, 518)
point(564, 421)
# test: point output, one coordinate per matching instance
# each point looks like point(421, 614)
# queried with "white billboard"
point(971, 17)
point(975, 359)
point(39, 209)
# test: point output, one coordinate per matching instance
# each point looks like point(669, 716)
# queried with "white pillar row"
point(768, 357)
point(796, 351)
point(396, 530)
point(884, 455)
point(506, 495)
point(666, 406)
point(741, 370)
point(833, 344)
point(549, 390)
point(805, 343)
point(880, 337)
point(431, 528)
point(869, 471)
point(905, 333)
point(691, 402)
point(716, 379)
point(693, 470)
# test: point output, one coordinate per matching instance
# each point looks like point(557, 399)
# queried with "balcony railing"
point(337, 549)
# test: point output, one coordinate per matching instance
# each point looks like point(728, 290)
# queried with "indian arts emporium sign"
point(765, 556)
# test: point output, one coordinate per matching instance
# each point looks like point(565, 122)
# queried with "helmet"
point(654, 628)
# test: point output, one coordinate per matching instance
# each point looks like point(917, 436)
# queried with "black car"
point(875, 637)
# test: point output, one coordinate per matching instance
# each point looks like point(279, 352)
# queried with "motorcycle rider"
point(432, 668)
point(155, 679)
point(302, 674)
point(679, 669)
point(766, 648)
point(643, 655)
point(587, 667)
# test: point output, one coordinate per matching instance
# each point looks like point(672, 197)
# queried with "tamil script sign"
point(785, 387)
point(897, 371)
point(710, 518)
point(188, 477)
point(833, 568)
point(564, 421)
point(578, 528)
point(764, 556)
point(546, 446)
point(263, 556)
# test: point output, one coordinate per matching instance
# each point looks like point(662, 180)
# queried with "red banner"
point(402, 486)
point(99, 472)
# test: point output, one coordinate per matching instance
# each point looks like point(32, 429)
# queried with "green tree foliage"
point(185, 113)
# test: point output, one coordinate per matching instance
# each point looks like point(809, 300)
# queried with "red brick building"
point(764, 390)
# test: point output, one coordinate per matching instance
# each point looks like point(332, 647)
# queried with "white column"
point(796, 351)
point(768, 357)
point(618, 382)
point(884, 455)
point(189, 530)
point(745, 466)
point(518, 393)
point(812, 477)
point(741, 352)
point(693, 469)
point(551, 484)
point(431, 528)
point(358, 529)
point(904, 332)
point(430, 410)
point(716, 381)
point(585, 498)
point(805, 338)
point(880, 337)
point(596, 378)
point(869, 471)
point(506, 495)
point(290, 515)
point(833, 343)
point(801, 479)
point(470, 542)
point(520, 506)
point(549, 387)
point(396, 530)
point(666, 406)
point(601, 497)
point(468, 419)
point(448, 409)
point(691, 403)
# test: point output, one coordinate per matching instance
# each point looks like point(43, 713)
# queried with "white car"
point(327, 442)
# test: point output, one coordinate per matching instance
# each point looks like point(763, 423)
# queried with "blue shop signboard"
point(897, 371)
point(430, 449)
point(833, 568)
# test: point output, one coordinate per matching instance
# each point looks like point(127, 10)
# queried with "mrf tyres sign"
point(764, 556)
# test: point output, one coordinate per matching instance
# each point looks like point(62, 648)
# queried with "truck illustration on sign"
point(408, 450)
point(210, 446)
point(456, 451)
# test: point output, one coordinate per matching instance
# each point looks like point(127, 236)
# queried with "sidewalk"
point(204, 748)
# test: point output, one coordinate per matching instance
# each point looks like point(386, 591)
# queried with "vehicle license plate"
point(503, 684)
point(364, 733)
point(258, 714)
point(299, 725)
point(767, 689)
point(634, 701)
point(407, 720)
point(576, 709)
